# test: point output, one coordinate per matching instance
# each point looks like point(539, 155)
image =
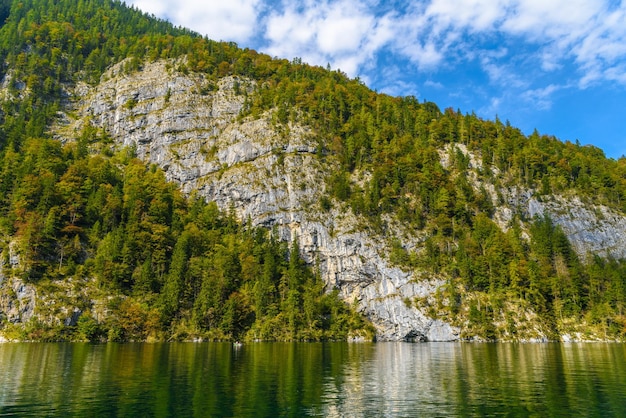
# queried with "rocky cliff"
point(271, 174)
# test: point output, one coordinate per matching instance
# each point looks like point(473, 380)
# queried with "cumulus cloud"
point(531, 36)
point(551, 19)
point(157, 8)
point(232, 20)
point(345, 34)
point(475, 15)
point(426, 56)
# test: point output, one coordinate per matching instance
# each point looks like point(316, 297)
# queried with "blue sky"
point(555, 65)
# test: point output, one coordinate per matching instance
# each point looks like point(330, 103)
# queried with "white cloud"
point(343, 30)
point(603, 48)
point(157, 8)
point(551, 59)
point(430, 34)
point(433, 84)
point(616, 73)
point(415, 39)
point(492, 107)
point(586, 32)
point(499, 74)
point(476, 15)
point(528, 51)
point(288, 30)
point(399, 88)
point(426, 56)
point(232, 20)
point(541, 97)
point(552, 19)
point(344, 33)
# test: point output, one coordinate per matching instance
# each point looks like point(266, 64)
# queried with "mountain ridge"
point(434, 225)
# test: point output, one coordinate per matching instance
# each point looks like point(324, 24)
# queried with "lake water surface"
point(313, 379)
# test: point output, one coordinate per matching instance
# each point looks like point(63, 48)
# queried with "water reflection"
point(338, 379)
point(481, 380)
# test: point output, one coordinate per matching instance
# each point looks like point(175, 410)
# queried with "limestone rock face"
point(190, 127)
point(592, 229)
point(17, 299)
point(269, 173)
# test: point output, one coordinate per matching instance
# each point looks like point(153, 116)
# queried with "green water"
point(307, 379)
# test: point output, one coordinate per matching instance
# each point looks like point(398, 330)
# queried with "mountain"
point(196, 189)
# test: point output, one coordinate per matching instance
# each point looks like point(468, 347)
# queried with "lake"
point(313, 379)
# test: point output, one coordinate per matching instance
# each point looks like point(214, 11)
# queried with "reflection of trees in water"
point(482, 379)
point(322, 379)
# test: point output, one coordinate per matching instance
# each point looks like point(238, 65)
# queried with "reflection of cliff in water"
point(449, 379)
point(318, 379)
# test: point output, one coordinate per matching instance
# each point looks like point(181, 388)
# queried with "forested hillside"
point(180, 267)
point(176, 267)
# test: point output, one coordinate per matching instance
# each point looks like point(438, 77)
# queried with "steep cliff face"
point(17, 299)
point(591, 228)
point(271, 174)
point(267, 173)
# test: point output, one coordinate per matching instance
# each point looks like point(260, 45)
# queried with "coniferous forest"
point(177, 267)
